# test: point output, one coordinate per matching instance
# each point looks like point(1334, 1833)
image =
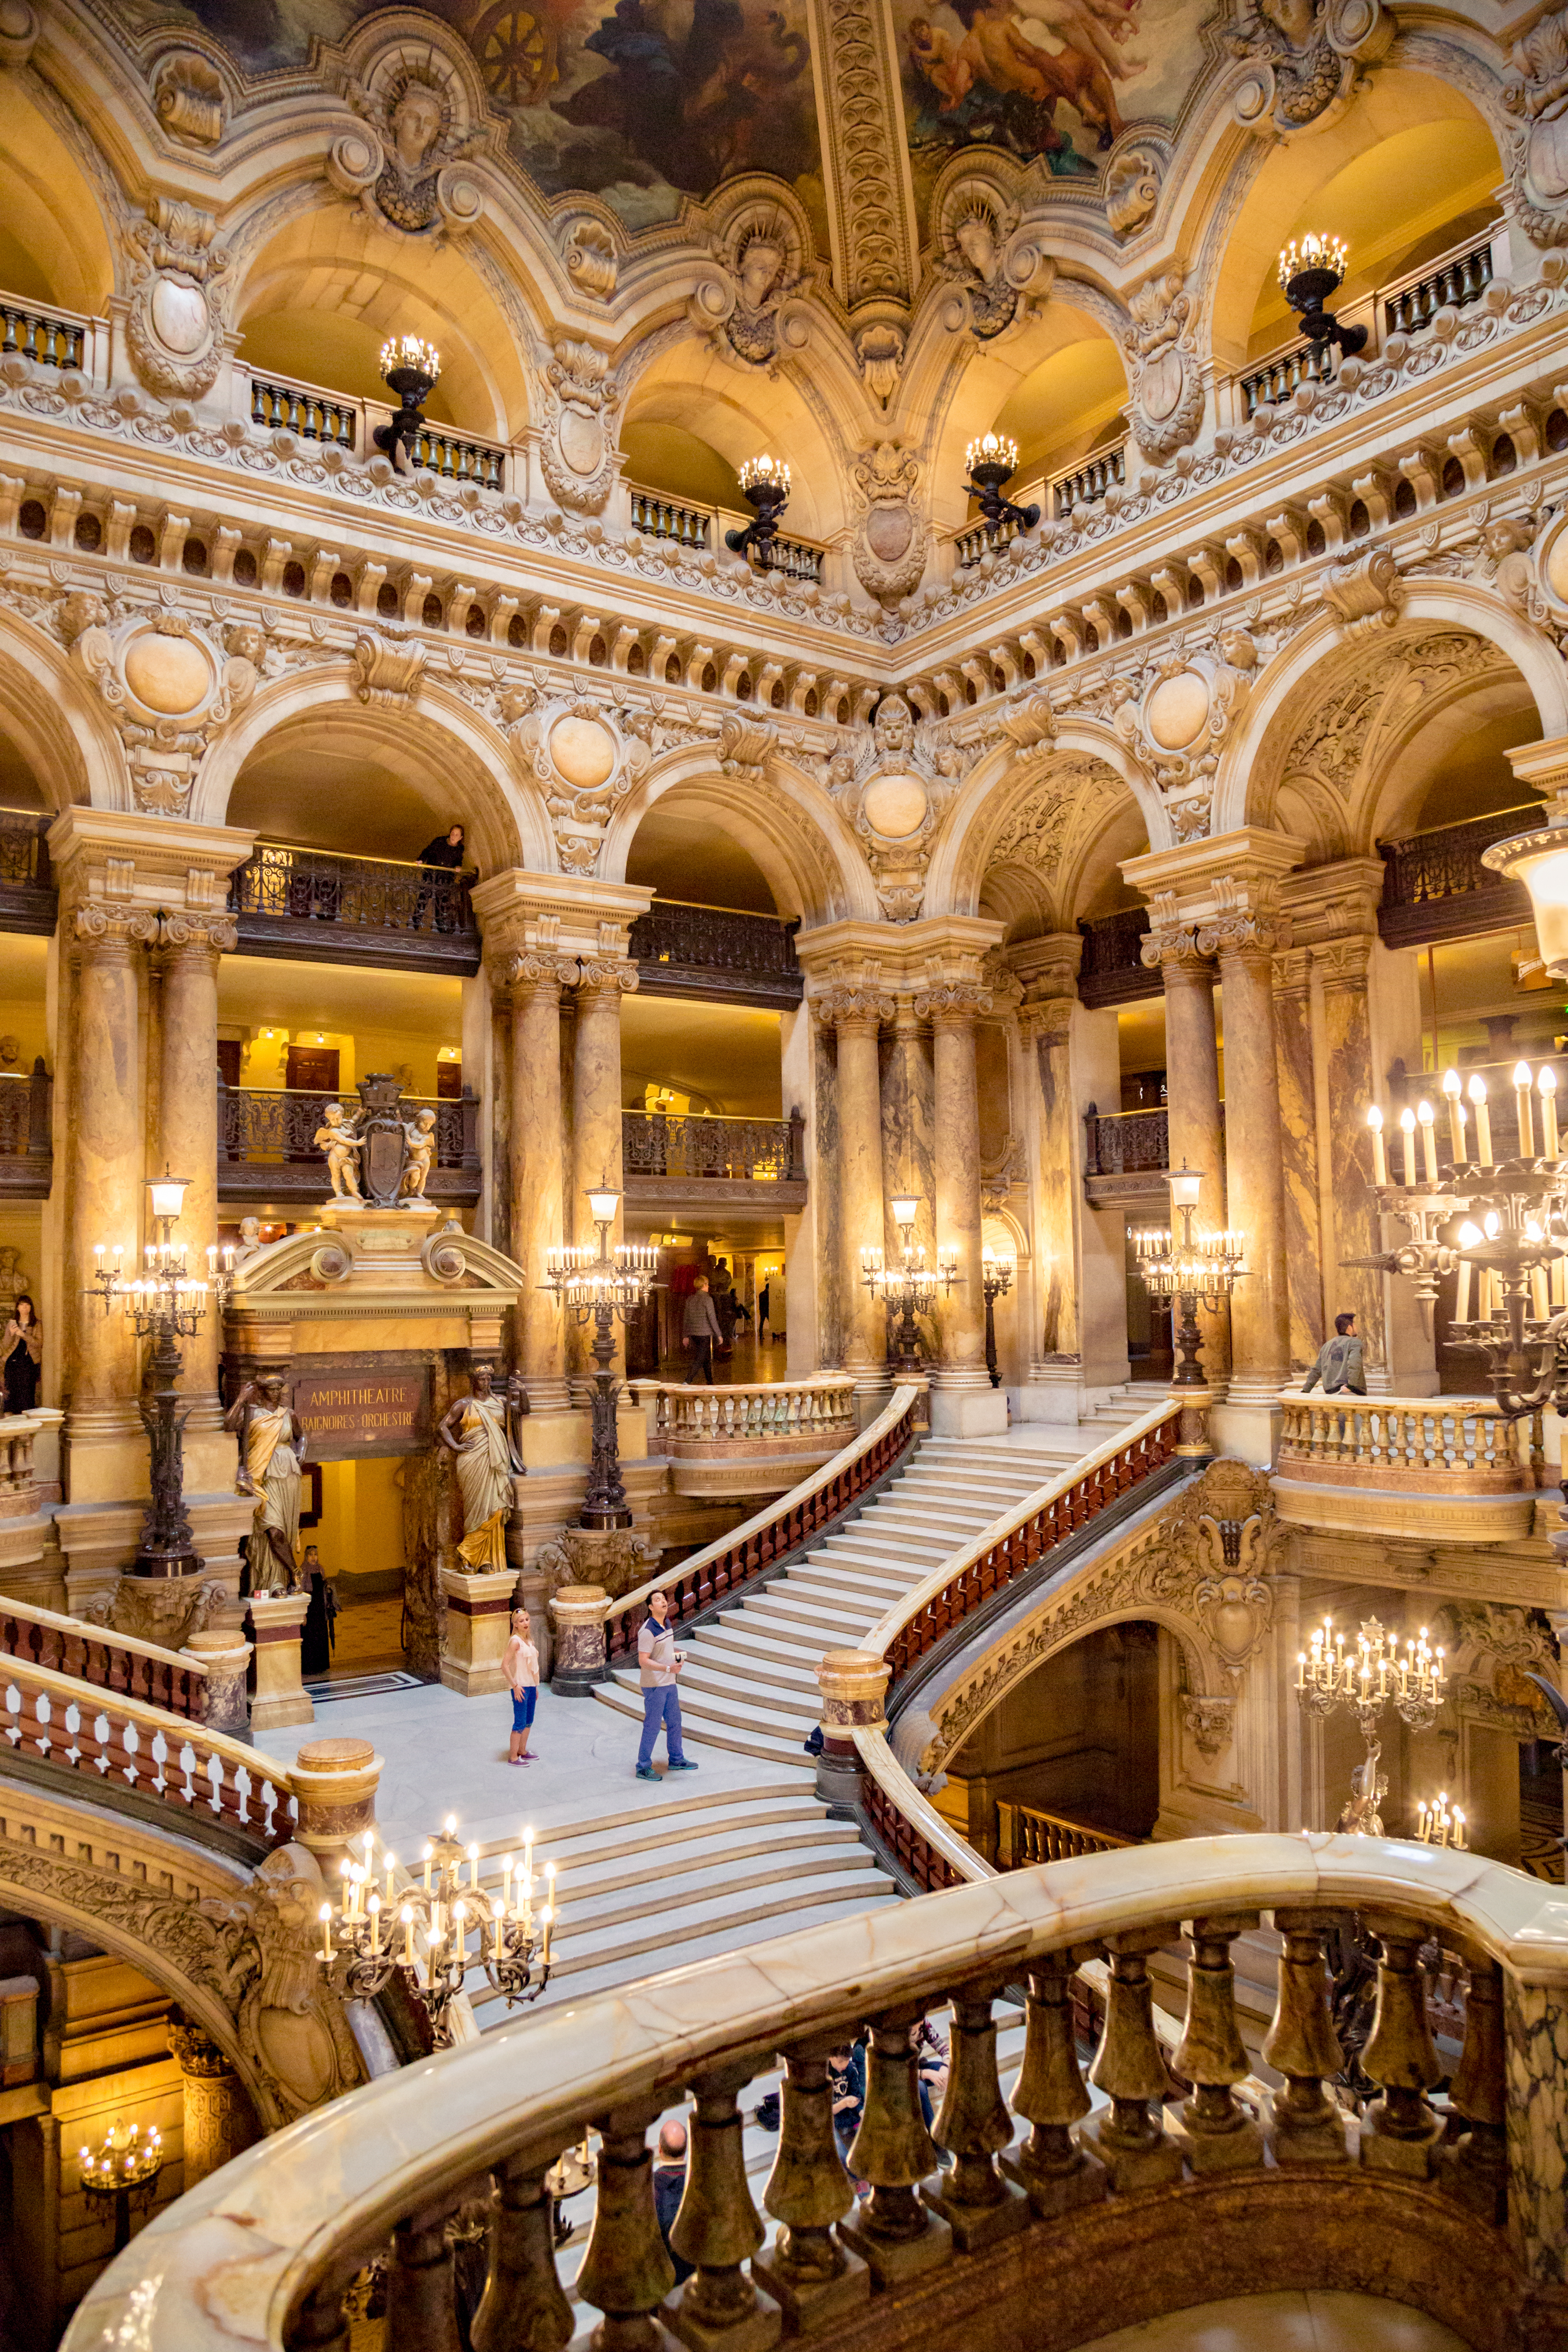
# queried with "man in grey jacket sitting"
point(659, 1664)
point(1339, 1364)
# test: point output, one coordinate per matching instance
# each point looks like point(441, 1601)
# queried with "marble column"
point(187, 1117)
point(1194, 1135)
point(856, 1013)
point(1306, 1229)
point(536, 982)
point(106, 1150)
point(952, 1008)
point(597, 1156)
point(1254, 1154)
point(1047, 1026)
point(219, 2120)
point(906, 1123)
point(1351, 1222)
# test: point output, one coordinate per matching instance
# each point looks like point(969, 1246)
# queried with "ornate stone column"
point(1308, 1232)
point(907, 1156)
point(1048, 969)
point(963, 1399)
point(1351, 1224)
point(1254, 1150)
point(1192, 1099)
point(855, 1013)
point(536, 979)
point(597, 1156)
point(219, 2120)
point(191, 946)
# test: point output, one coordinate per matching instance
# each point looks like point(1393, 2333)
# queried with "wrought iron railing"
point(1446, 861)
point(709, 939)
point(282, 883)
point(25, 1107)
point(279, 1124)
point(692, 1144)
point(1127, 1142)
point(27, 894)
point(1111, 970)
point(1025, 1836)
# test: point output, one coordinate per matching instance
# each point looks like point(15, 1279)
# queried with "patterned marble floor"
point(1287, 2322)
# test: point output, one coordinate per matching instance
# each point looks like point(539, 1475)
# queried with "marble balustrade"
point(768, 1414)
point(1462, 1445)
point(1463, 2210)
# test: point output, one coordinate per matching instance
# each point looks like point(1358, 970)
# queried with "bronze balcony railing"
point(1435, 887)
point(1111, 970)
point(26, 1147)
point(694, 1146)
point(28, 898)
point(304, 409)
point(266, 1147)
point(700, 528)
point(1025, 1836)
point(315, 903)
point(1127, 1142)
point(1086, 484)
point(717, 953)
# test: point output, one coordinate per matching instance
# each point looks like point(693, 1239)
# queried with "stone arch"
point(432, 742)
point(56, 244)
point(1253, 767)
point(65, 733)
point(800, 841)
point(734, 413)
point(999, 787)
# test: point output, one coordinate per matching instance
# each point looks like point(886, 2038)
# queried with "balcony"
point(1442, 1469)
point(1058, 496)
point(1026, 1837)
point(267, 1151)
point(1112, 971)
point(26, 1148)
point(1126, 1155)
point(1434, 886)
point(688, 1162)
point(718, 953)
point(28, 899)
point(314, 905)
point(330, 421)
point(753, 1438)
point(701, 530)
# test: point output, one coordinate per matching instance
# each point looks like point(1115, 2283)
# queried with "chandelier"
point(909, 1287)
point(367, 1937)
point(1193, 1272)
point(122, 2168)
point(991, 460)
point(1311, 270)
point(411, 367)
point(764, 483)
point(1366, 1680)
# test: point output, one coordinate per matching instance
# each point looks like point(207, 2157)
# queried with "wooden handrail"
point(1026, 1835)
point(104, 1660)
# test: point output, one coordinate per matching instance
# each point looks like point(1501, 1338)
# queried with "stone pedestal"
point(276, 1621)
point(226, 1658)
point(219, 2120)
point(854, 1686)
point(157, 1607)
point(335, 1781)
point(478, 1619)
point(579, 1612)
point(533, 1593)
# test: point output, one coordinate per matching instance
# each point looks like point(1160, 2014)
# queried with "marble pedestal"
point(968, 1412)
point(276, 1621)
point(579, 1612)
point(478, 1619)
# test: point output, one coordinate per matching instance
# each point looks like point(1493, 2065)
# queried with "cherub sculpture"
point(419, 1154)
point(336, 1137)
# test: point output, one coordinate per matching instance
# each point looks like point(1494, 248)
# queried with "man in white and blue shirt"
point(659, 1664)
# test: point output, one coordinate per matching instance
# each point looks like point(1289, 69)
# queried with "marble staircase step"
point(776, 1709)
point(703, 1838)
point(716, 1728)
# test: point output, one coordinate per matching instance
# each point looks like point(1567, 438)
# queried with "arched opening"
point(691, 423)
point(1059, 392)
point(54, 243)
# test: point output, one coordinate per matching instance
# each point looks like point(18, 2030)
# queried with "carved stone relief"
point(1132, 179)
point(1176, 716)
point(168, 681)
point(189, 98)
point(1162, 363)
point(586, 763)
point(577, 450)
point(174, 324)
point(422, 117)
point(1303, 55)
point(590, 256)
point(893, 793)
point(1538, 174)
point(892, 533)
point(750, 304)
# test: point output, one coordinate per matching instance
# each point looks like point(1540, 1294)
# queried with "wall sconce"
point(764, 482)
point(411, 368)
point(991, 460)
point(1309, 272)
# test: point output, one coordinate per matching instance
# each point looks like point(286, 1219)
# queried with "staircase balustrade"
point(1026, 1835)
point(697, 1145)
point(763, 1415)
point(52, 1718)
point(1460, 1445)
point(18, 1437)
point(765, 1542)
point(1044, 2221)
point(108, 1661)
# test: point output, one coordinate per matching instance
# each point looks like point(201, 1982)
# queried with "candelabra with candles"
point(1372, 1676)
point(165, 1303)
point(125, 2164)
point(909, 1287)
point(1439, 1823)
point(1191, 1272)
point(764, 481)
point(991, 460)
point(411, 367)
point(595, 1285)
point(1311, 270)
point(367, 1937)
point(996, 1271)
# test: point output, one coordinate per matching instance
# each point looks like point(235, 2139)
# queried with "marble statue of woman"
point(476, 1430)
point(271, 1447)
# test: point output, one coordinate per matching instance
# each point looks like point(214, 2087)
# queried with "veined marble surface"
point(1287, 2322)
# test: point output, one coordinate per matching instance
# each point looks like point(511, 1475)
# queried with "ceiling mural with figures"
point(638, 101)
point(1053, 82)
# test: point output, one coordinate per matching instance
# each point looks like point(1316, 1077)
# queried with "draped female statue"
point(478, 1430)
point(272, 1450)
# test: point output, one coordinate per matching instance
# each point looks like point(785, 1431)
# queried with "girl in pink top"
point(520, 1664)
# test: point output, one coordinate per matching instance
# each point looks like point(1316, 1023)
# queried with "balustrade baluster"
point(1304, 2125)
point(524, 2307)
point(626, 2272)
point(808, 2272)
point(1057, 2173)
point(974, 2127)
point(421, 2306)
point(897, 2235)
point(1401, 2132)
point(1477, 2162)
point(719, 2308)
point(1129, 2068)
point(1219, 2135)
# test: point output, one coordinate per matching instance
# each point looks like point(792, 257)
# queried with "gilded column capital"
point(1174, 947)
point(607, 976)
point(952, 1002)
point(864, 1006)
point(198, 935)
point(105, 931)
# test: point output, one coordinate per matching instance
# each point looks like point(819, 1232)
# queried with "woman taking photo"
point(22, 1351)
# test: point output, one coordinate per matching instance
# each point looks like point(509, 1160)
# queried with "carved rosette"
point(175, 319)
point(577, 448)
point(891, 532)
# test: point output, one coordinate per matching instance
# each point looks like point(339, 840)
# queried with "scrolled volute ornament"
point(577, 448)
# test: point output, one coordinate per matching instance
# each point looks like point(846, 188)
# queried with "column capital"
point(538, 973)
point(562, 914)
point(1333, 902)
point(156, 864)
point(1046, 967)
point(198, 936)
point(1173, 946)
point(607, 975)
point(1046, 1020)
point(955, 1002)
point(1243, 932)
point(1544, 767)
point(105, 931)
point(1343, 963)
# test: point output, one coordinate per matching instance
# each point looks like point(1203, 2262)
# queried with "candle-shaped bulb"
point(1379, 1158)
point(1451, 1084)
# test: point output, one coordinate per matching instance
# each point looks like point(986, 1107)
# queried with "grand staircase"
point(750, 1680)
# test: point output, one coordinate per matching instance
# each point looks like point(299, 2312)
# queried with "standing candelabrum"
point(1191, 1272)
point(996, 1274)
point(123, 2167)
point(165, 1303)
point(595, 1285)
point(1366, 1680)
point(909, 1287)
point(367, 1937)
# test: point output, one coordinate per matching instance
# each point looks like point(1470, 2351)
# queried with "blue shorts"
point(523, 1708)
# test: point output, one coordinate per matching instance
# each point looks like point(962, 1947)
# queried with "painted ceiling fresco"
point(639, 102)
point(1055, 81)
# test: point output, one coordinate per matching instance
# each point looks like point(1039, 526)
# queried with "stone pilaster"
point(219, 2120)
point(1048, 970)
point(597, 1156)
point(1254, 1153)
point(1195, 1130)
point(1294, 997)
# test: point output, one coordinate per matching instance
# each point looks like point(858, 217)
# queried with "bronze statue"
point(479, 1431)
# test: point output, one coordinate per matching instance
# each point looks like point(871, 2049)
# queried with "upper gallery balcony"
point(682, 1162)
point(1443, 1468)
point(268, 1155)
point(328, 908)
point(1435, 887)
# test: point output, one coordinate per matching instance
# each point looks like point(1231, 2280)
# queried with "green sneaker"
point(683, 1765)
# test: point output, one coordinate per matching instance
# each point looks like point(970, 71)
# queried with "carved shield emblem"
point(1162, 386)
point(582, 439)
point(1549, 159)
point(179, 313)
point(888, 531)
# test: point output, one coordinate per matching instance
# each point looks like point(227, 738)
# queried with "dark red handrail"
point(909, 1846)
point(108, 1664)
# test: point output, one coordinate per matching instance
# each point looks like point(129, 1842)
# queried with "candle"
point(496, 1906)
point(506, 1861)
point(1558, 1291)
point(1538, 1306)
point(1452, 1096)
point(1429, 1143)
point(407, 1915)
point(326, 1918)
point(1468, 1236)
point(428, 1852)
point(547, 1924)
point(1407, 1128)
point(374, 1926)
point(391, 1862)
point(1379, 1160)
point(1523, 1080)
point(1546, 1087)
point(1478, 1091)
point(473, 1866)
point(1458, 1829)
point(1301, 1670)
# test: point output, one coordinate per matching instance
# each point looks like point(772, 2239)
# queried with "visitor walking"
point(701, 1328)
point(659, 1662)
point(520, 1664)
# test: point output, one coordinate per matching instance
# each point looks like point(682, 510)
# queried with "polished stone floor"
point(1287, 2322)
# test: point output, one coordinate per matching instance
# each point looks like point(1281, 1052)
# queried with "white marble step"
point(776, 1709)
point(820, 1585)
point(737, 1901)
point(846, 1618)
point(894, 1568)
point(759, 1925)
point(778, 1671)
point(700, 1726)
point(609, 1833)
point(847, 1574)
point(903, 1547)
point(792, 1634)
point(667, 1897)
point(715, 1839)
